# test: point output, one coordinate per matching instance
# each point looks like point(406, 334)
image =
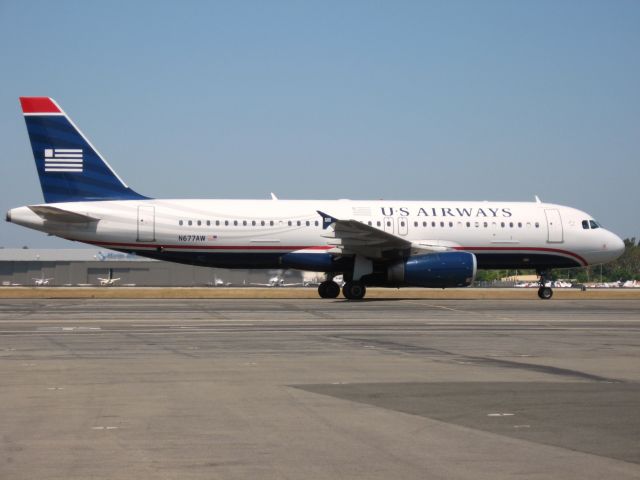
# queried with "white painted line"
point(500, 414)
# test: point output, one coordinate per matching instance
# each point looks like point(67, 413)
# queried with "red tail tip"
point(38, 105)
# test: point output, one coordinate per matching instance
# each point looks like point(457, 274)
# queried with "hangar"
point(66, 267)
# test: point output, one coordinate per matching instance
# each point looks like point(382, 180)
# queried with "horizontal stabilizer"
point(55, 214)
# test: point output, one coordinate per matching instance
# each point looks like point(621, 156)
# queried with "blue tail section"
point(69, 167)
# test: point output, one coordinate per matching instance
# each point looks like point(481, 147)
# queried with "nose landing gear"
point(544, 292)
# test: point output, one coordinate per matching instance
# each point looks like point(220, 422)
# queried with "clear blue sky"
point(474, 100)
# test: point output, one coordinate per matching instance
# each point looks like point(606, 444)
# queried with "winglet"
point(327, 220)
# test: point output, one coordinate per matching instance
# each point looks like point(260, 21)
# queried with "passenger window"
point(244, 223)
point(299, 223)
point(308, 223)
point(424, 224)
point(486, 224)
point(519, 224)
point(235, 223)
point(450, 224)
point(468, 224)
point(442, 224)
point(537, 225)
point(262, 223)
point(180, 222)
point(208, 223)
point(253, 222)
point(369, 223)
point(502, 224)
point(388, 224)
point(433, 224)
point(415, 224)
point(199, 223)
point(226, 222)
point(477, 224)
point(289, 223)
point(510, 224)
point(217, 222)
point(190, 222)
point(378, 223)
point(271, 223)
point(316, 223)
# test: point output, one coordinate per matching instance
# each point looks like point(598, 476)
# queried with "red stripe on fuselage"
point(324, 247)
point(213, 247)
point(525, 249)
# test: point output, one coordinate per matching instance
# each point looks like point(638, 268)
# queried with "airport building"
point(68, 267)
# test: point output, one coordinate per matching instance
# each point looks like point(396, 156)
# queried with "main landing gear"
point(351, 290)
point(544, 292)
point(329, 289)
point(354, 290)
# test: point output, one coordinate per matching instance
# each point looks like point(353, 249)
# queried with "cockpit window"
point(585, 224)
point(593, 224)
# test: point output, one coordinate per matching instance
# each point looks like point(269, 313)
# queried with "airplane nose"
point(616, 245)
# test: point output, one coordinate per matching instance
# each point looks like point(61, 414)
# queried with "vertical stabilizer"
point(69, 167)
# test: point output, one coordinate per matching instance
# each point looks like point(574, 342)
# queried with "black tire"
point(354, 290)
point(545, 293)
point(328, 289)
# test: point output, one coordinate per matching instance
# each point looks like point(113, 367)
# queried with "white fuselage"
point(246, 233)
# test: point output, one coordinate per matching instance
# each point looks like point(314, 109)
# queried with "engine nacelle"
point(435, 270)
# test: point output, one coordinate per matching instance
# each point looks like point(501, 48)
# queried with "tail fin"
point(69, 167)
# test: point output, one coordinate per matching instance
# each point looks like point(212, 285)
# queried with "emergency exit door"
point(146, 223)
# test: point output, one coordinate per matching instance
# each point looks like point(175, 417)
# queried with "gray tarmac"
point(317, 389)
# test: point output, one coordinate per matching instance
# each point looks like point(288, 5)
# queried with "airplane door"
point(146, 223)
point(388, 224)
point(403, 225)
point(554, 226)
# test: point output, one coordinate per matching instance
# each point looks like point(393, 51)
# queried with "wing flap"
point(356, 237)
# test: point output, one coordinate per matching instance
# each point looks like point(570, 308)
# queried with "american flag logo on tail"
point(63, 160)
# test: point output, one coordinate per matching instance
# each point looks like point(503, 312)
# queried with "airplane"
point(277, 281)
point(109, 281)
point(42, 281)
point(218, 282)
point(431, 244)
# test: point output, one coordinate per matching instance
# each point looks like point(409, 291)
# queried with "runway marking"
point(55, 388)
point(442, 307)
point(522, 426)
point(101, 427)
point(67, 329)
point(500, 414)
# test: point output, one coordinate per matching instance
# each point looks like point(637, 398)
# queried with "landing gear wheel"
point(545, 293)
point(328, 289)
point(354, 290)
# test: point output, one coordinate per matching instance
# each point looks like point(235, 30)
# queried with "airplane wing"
point(354, 237)
point(55, 214)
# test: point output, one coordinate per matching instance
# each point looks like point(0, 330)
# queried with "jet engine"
point(435, 270)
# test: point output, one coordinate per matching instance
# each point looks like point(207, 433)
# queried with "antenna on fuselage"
point(537, 199)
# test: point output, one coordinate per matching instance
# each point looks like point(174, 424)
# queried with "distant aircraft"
point(109, 281)
point(42, 281)
point(371, 243)
point(277, 281)
point(218, 282)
